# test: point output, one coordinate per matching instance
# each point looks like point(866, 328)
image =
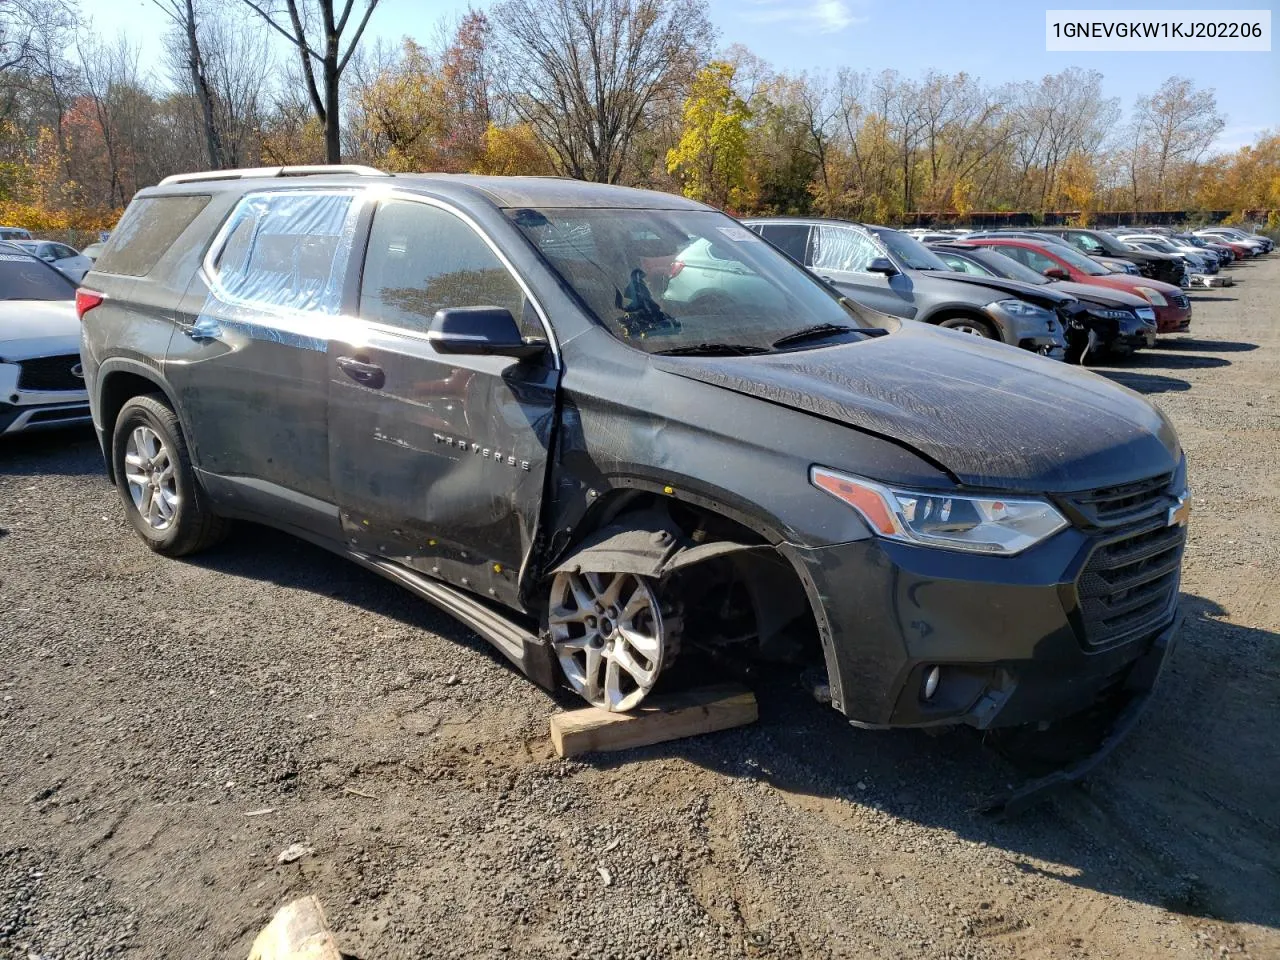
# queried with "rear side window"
point(22, 278)
point(422, 259)
point(842, 248)
point(148, 229)
point(791, 238)
point(285, 250)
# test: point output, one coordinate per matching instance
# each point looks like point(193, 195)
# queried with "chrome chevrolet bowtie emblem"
point(1180, 512)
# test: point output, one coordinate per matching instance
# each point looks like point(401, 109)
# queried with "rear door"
point(841, 254)
point(438, 461)
point(249, 355)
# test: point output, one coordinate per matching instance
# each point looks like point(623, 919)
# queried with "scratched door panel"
point(440, 465)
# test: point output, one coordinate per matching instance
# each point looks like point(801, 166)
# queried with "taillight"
point(86, 300)
point(674, 270)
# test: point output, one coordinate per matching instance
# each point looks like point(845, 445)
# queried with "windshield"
point(1079, 261)
point(907, 249)
point(664, 280)
point(22, 278)
point(1007, 267)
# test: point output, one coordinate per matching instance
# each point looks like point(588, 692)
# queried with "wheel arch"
point(119, 381)
point(659, 535)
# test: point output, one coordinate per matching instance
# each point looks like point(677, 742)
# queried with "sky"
point(999, 41)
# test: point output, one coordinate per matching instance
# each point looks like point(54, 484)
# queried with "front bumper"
point(1211, 280)
point(23, 410)
point(1041, 333)
point(1006, 632)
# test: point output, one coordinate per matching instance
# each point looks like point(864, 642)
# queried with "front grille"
point(1180, 300)
point(51, 373)
point(1109, 507)
point(1129, 584)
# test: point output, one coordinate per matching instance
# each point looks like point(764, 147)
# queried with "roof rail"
point(353, 169)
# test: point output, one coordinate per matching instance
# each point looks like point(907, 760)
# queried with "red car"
point(1056, 260)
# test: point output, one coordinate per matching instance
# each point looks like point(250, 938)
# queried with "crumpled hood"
point(992, 415)
point(36, 328)
point(1105, 296)
point(1045, 296)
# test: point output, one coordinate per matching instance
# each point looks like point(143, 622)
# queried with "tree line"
point(616, 91)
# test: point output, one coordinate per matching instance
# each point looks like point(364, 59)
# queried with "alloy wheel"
point(608, 634)
point(149, 473)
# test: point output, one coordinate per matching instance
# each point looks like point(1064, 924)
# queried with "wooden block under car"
point(657, 720)
point(298, 931)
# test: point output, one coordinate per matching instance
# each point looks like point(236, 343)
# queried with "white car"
point(41, 380)
point(58, 255)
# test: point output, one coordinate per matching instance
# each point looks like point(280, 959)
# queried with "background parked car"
point(14, 233)
point(891, 272)
point(1172, 306)
point(93, 250)
point(60, 256)
point(1099, 243)
point(1253, 241)
point(1107, 321)
point(41, 379)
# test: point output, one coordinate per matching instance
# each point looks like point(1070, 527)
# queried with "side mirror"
point(484, 331)
point(1056, 273)
point(882, 265)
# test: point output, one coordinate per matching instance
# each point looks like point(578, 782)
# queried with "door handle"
point(202, 331)
point(361, 371)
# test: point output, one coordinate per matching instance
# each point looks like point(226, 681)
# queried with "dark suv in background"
point(480, 389)
point(894, 273)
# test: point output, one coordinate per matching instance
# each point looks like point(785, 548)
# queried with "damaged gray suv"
point(502, 394)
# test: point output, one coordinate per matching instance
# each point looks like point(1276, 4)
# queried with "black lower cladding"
point(1017, 639)
point(51, 373)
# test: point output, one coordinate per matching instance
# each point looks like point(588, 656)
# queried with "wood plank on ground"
point(298, 931)
point(658, 719)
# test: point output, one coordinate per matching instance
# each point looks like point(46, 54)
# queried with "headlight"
point(1002, 526)
point(1146, 313)
point(1130, 268)
point(1111, 314)
point(1018, 308)
point(1153, 295)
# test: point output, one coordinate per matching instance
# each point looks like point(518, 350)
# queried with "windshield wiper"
point(812, 333)
point(712, 350)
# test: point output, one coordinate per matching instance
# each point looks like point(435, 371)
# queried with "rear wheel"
point(972, 326)
point(609, 635)
point(156, 481)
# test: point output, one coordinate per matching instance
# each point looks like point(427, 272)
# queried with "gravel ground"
point(168, 728)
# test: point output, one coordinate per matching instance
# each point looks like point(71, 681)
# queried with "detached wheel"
point(609, 634)
point(972, 326)
point(157, 483)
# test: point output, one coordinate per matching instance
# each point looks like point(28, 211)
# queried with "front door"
point(841, 254)
point(438, 460)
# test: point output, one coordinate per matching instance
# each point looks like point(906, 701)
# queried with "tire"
point(612, 635)
point(166, 506)
point(971, 325)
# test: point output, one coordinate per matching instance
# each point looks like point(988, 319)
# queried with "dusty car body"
point(475, 387)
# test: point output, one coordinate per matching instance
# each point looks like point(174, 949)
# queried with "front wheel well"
point(737, 593)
